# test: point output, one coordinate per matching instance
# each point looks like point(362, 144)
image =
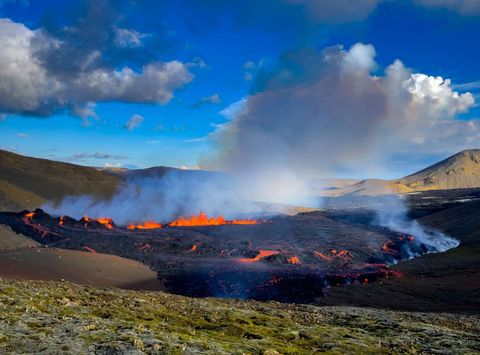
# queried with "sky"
point(365, 88)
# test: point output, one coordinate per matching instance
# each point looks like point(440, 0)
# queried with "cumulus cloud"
point(326, 113)
point(37, 77)
point(463, 7)
point(134, 122)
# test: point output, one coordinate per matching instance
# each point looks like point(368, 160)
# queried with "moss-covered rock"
point(67, 318)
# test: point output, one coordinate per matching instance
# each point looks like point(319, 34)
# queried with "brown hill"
point(26, 182)
point(460, 171)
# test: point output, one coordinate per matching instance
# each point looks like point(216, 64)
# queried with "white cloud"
point(30, 85)
point(251, 68)
point(435, 94)
point(212, 99)
point(234, 109)
point(134, 122)
point(198, 62)
point(128, 38)
point(360, 57)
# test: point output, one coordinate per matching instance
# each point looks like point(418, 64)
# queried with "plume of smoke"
point(162, 198)
point(392, 213)
point(319, 113)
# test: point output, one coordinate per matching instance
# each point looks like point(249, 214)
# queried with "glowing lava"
point(203, 220)
point(388, 248)
point(107, 222)
point(145, 225)
point(30, 214)
point(294, 260)
point(334, 253)
point(261, 254)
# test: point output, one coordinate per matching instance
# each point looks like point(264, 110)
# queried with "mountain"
point(460, 171)
point(27, 182)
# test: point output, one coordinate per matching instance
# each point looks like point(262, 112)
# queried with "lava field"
point(285, 258)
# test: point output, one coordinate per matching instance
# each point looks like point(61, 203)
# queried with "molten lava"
point(334, 253)
point(145, 225)
point(30, 214)
point(261, 254)
point(388, 248)
point(107, 222)
point(294, 260)
point(203, 220)
point(243, 221)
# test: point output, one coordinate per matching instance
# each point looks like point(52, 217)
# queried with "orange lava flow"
point(203, 220)
point(30, 214)
point(145, 225)
point(334, 253)
point(60, 222)
point(243, 221)
point(107, 222)
point(387, 248)
point(323, 256)
point(294, 260)
point(261, 254)
point(194, 247)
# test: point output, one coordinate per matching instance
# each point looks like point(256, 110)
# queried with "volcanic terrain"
point(299, 258)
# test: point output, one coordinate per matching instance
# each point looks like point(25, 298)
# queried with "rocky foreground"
point(60, 317)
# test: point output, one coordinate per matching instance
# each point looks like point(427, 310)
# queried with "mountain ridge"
point(27, 182)
point(458, 171)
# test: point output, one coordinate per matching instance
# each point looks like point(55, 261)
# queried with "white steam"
point(163, 199)
point(393, 215)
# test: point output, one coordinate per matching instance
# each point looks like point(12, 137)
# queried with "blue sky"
point(221, 46)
